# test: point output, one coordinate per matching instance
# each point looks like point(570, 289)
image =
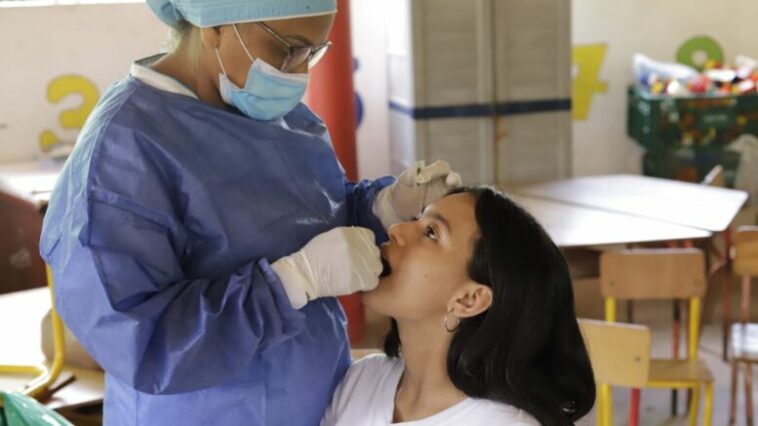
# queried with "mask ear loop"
point(239, 37)
point(220, 62)
point(247, 52)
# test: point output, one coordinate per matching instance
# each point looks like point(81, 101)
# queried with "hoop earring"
point(447, 327)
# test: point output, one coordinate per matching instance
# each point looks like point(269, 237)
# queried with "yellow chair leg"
point(708, 409)
point(43, 382)
point(31, 370)
point(610, 309)
point(605, 418)
point(608, 405)
point(599, 407)
point(694, 405)
point(694, 323)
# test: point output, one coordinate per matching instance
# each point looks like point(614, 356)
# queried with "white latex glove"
point(413, 190)
point(341, 261)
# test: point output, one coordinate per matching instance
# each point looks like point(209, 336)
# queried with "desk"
point(576, 226)
point(681, 203)
point(20, 317)
point(666, 201)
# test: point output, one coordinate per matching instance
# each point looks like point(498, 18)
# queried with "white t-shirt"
point(366, 397)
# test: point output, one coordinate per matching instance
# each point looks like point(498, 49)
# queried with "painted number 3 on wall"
point(59, 89)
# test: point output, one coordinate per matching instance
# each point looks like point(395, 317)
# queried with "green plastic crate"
point(658, 122)
point(690, 164)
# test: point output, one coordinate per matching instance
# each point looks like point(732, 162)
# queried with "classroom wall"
point(605, 36)
point(56, 62)
point(58, 59)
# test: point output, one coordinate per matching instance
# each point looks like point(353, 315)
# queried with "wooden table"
point(681, 203)
point(576, 226)
point(20, 343)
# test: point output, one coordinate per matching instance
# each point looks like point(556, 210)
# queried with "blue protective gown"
point(160, 232)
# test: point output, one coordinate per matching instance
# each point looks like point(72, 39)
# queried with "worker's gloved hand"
point(341, 261)
point(413, 190)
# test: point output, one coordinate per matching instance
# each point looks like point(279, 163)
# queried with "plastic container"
point(700, 122)
point(690, 165)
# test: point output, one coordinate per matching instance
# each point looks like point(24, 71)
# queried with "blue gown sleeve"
point(123, 294)
point(360, 199)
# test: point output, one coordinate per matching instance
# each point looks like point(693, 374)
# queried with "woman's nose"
point(395, 234)
point(399, 232)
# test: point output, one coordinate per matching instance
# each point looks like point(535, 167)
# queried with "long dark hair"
point(526, 350)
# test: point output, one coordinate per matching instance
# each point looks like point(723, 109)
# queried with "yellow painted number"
point(587, 59)
point(61, 88)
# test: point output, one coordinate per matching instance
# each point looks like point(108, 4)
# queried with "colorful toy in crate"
point(699, 84)
point(661, 78)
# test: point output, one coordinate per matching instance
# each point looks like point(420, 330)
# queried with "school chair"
point(743, 341)
point(44, 376)
point(716, 179)
point(663, 274)
point(620, 355)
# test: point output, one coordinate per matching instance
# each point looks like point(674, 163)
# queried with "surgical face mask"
point(268, 93)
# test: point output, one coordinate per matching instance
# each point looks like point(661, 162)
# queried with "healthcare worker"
point(202, 226)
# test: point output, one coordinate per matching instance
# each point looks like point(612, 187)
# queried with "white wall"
point(43, 44)
point(370, 79)
point(657, 29)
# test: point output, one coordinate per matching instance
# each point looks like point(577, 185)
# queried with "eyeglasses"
point(298, 55)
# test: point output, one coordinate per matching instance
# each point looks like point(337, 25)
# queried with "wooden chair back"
point(653, 274)
point(746, 251)
point(620, 353)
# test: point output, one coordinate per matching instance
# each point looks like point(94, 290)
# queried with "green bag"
point(21, 410)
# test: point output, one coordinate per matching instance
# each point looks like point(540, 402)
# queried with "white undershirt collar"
point(141, 71)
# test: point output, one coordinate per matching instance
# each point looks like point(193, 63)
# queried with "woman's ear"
point(470, 300)
point(211, 37)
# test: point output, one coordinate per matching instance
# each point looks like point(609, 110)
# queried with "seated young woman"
point(483, 324)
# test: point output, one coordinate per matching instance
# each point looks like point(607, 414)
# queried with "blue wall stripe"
point(483, 110)
point(529, 107)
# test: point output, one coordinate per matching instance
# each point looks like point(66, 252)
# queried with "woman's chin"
point(369, 298)
point(366, 295)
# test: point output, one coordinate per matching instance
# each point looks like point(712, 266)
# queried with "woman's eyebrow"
point(440, 219)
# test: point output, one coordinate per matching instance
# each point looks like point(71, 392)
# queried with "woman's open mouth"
point(386, 269)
